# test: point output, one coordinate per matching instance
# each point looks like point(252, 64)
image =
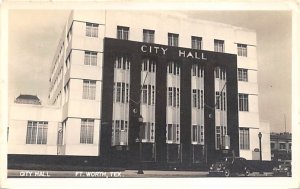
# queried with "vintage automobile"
point(229, 166)
point(283, 169)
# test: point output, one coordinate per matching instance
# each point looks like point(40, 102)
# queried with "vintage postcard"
point(132, 91)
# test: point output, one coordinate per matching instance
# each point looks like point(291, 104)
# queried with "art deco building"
point(193, 83)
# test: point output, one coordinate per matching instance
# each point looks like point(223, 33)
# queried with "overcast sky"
point(34, 35)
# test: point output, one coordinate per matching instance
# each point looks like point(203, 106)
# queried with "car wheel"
point(227, 173)
point(247, 172)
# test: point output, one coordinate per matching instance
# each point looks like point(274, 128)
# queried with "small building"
point(281, 146)
point(28, 99)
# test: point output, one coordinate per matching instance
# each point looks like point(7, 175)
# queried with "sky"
point(34, 36)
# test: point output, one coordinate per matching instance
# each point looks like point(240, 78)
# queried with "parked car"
point(229, 166)
point(283, 169)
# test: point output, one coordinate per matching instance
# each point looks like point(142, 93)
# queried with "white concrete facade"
point(69, 72)
point(19, 116)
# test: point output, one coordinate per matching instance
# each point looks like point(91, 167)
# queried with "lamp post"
point(139, 140)
point(259, 137)
point(260, 155)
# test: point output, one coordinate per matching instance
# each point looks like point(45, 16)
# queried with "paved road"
point(121, 174)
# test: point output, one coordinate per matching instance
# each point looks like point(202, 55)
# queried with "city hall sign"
point(181, 53)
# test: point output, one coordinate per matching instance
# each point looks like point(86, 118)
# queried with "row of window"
point(173, 40)
point(122, 62)
point(282, 146)
point(121, 94)
point(37, 133)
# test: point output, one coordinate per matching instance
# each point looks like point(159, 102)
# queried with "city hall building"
point(184, 90)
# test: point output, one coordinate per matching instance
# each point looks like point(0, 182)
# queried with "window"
point(282, 146)
point(194, 98)
point(220, 100)
point(173, 133)
point(173, 96)
point(122, 32)
point(147, 131)
point(197, 70)
point(119, 132)
point(197, 98)
point(198, 134)
point(219, 45)
point(148, 36)
point(87, 131)
point(170, 91)
point(242, 50)
point(217, 103)
point(242, 74)
point(148, 92)
point(121, 92)
point(244, 139)
point(144, 94)
point(173, 39)
point(243, 102)
point(36, 132)
point(122, 62)
point(120, 125)
point(221, 131)
point(174, 68)
point(148, 65)
point(90, 58)
point(272, 146)
point(89, 89)
point(91, 30)
point(220, 73)
point(196, 42)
